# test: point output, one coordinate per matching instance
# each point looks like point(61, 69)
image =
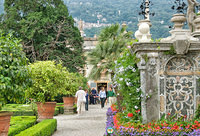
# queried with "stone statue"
point(191, 13)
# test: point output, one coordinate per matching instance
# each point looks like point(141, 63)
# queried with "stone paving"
point(91, 123)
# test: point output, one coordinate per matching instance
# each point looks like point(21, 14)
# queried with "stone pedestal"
point(178, 33)
point(68, 110)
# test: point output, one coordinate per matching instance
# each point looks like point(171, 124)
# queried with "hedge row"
point(20, 123)
point(25, 110)
point(44, 128)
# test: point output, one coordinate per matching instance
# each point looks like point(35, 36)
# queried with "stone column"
point(142, 68)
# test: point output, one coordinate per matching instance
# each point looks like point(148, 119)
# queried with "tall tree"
point(46, 29)
point(111, 42)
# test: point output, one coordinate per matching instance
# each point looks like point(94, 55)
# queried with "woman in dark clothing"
point(106, 100)
point(87, 96)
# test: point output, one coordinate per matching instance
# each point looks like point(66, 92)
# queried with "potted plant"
point(69, 93)
point(74, 81)
point(14, 76)
point(49, 79)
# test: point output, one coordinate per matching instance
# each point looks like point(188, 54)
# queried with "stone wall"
point(170, 79)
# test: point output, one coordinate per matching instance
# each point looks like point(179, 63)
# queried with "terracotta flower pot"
point(45, 110)
point(4, 122)
point(68, 101)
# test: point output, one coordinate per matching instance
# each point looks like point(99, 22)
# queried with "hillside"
point(120, 11)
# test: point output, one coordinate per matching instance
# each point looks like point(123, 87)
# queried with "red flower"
point(137, 111)
point(188, 126)
point(185, 116)
point(175, 127)
point(196, 122)
point(157, 128)
point(130, 115)
point(168, 114)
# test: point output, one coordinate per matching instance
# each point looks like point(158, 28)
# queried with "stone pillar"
point(149, 83)
point(142, 68)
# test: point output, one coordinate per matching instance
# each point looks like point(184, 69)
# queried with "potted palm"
point(14, 76)
point(49, 79)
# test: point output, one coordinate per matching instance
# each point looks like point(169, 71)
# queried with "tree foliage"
point(14, 73)
point(46, 29)
point(111, 42)
point(49, 79)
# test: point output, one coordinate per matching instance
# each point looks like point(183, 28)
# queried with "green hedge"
point(20, 123)
point(59, 104)
point(26, 110)
point(56, 111)
point(61, 109)
point(44, 128)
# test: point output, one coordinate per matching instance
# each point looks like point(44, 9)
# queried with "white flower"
point(130, 93)
point(127, 79)
point(115, 62)
point(136, 107)
point(129, 84)
point(121, 79)
point(109, 70)
point(118, 94)
point(134, 70)
point(130, 67)
point(127, 54)
point(137, 90)
point(141, 96)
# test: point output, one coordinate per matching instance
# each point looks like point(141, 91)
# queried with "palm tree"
point(111, 42)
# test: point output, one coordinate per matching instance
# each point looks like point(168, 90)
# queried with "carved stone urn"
point(178, 20)
point(143, 33)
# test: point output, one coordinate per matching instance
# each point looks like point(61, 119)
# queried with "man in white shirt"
point(80, 95)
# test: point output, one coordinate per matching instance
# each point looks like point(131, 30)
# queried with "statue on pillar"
point(191, 15)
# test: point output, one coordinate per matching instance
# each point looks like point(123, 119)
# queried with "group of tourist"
point(83, 98)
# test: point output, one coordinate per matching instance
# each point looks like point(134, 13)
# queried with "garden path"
point(91, 123)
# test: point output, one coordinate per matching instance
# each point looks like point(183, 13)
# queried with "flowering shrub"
point(165, 127)
point(127, 81)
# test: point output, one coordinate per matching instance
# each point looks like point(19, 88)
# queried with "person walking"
point(81, 100)
point(111, 96)
point(86, 97)
point(94, 94)
point(102, 95)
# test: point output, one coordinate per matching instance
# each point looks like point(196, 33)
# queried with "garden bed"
point(116, 127)
point(28, 110)
point(20, 123)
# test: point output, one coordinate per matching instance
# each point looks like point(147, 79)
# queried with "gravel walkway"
point(91, 123)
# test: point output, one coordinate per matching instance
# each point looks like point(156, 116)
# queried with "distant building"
point(89, 44)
